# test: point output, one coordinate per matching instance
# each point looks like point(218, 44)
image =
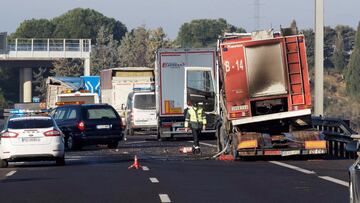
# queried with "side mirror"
point(352, 146)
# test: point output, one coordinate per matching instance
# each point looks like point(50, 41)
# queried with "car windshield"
point(30, 123)
point(144, 101)
point(100, 113)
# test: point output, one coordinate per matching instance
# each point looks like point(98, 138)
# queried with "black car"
point(88, 124)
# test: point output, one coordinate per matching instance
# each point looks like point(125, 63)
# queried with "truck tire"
point(158, 136)
point(60, 161)
point(113, 145)
point(131, 132)
point(3, 163)
point(221, 135)
point(233, 146)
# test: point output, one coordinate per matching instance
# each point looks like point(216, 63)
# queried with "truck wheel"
point(131, 132)
point(158, 134)
point(3, 163)
point(60, 161)
point(221, 134)
point(233, 146)
point(113, 145)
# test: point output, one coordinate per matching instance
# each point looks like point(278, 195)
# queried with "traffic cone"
point(135, 164)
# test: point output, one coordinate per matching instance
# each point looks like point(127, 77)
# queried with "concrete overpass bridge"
point(27, 54)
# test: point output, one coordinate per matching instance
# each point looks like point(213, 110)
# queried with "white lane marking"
point(328, 178)
point(154, 180)
point(145, 168)
point(292, 167)
point(334, 180)
point(206, 144)
point(164, 198)
point(10, 173)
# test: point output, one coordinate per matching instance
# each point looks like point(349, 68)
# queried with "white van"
point(141, 112)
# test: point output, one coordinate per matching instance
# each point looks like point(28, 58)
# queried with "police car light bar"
point(25, 111)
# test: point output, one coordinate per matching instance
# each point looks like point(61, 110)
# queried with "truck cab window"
point(200, 89)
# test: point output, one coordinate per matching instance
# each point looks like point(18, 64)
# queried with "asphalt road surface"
point(98, 174)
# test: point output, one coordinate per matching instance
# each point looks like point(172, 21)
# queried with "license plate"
point(181, 129)
point(289, 153)
point(30, 139)
point(103, 126)
point(317, 151)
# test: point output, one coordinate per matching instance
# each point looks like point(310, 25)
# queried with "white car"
point(31, 138)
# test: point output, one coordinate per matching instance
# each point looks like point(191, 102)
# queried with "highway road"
point(98, 174)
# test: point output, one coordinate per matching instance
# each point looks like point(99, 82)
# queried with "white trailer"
point(117, 83)
point(184, 77)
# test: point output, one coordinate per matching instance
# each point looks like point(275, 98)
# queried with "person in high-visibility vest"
point(195, 115)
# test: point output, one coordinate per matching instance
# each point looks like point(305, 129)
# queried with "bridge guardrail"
point(337, 133)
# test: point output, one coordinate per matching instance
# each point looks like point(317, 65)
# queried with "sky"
point(171, 14)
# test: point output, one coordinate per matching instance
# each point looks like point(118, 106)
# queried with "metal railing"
point(46, 45)
point(337, 134)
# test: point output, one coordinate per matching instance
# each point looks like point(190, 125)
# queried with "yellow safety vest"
point(196, 116)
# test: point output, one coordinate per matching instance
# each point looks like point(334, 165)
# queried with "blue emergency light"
point(27, 111)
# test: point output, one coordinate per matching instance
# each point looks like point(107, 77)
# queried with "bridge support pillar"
point(25, 85)
point(87, 67)
point(21, 81)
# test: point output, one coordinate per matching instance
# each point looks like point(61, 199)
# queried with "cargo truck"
point(117, 83)
point(265, 98)
point(184, 77)
point(60, 90)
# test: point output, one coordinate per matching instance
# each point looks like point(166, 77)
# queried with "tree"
point(348, 36)
point(85, 23)
point(329, 43)
point(338, 57)
point(203, 32)
point(41, 28)
point(310, 44)
point(9, 83)
point(76, 23)
point(353, 72)
point(67, 68)
point(104, 54)
point(133, 48)
point(157, 39)
point(39, 82)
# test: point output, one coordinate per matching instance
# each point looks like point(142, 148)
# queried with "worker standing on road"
point(196, 117)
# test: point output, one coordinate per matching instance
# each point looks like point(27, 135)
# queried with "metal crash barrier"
point(337, 133)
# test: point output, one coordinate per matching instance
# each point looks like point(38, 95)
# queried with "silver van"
point(141, 112)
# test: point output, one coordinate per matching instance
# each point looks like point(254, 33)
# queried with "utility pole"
point(257, 14)
point(319, 57)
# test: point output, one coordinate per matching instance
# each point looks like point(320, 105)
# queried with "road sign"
point(92, 83)
point(3, 43)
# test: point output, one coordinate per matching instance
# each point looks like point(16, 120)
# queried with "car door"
point(59, 117)
point(71, 119)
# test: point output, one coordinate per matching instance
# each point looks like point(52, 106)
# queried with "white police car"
point(29, 137)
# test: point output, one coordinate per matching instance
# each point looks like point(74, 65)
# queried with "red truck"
point(265, 98)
